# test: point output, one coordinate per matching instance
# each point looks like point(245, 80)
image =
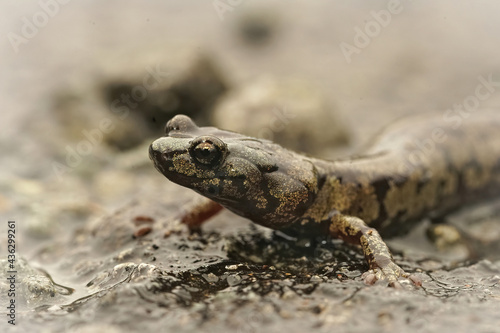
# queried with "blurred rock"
point(189, 83)
point(127, 103)
point(291, 112)
point(448, 239)
point(257, 27)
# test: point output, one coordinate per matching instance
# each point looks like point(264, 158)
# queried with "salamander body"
point(419, 166)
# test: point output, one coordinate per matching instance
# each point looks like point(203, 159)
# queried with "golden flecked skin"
point(418, 166)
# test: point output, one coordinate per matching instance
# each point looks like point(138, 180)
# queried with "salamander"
point(419, 166)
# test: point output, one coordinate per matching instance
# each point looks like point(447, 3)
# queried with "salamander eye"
point(208, 150)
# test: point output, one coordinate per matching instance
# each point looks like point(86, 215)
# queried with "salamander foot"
point(390, 272)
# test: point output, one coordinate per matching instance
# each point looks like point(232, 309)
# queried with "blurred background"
point(369, 66)
point(87, 85)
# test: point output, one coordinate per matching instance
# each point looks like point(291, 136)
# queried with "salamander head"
point(254, 178)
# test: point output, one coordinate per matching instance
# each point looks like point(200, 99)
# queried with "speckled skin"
point(418, 166)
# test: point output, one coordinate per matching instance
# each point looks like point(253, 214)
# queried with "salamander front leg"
point(382, 266)
point(198, 212)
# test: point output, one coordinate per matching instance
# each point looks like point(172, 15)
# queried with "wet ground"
point(98, 245)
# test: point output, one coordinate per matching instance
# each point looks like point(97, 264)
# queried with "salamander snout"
point(156, 150)
point(161, 152)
